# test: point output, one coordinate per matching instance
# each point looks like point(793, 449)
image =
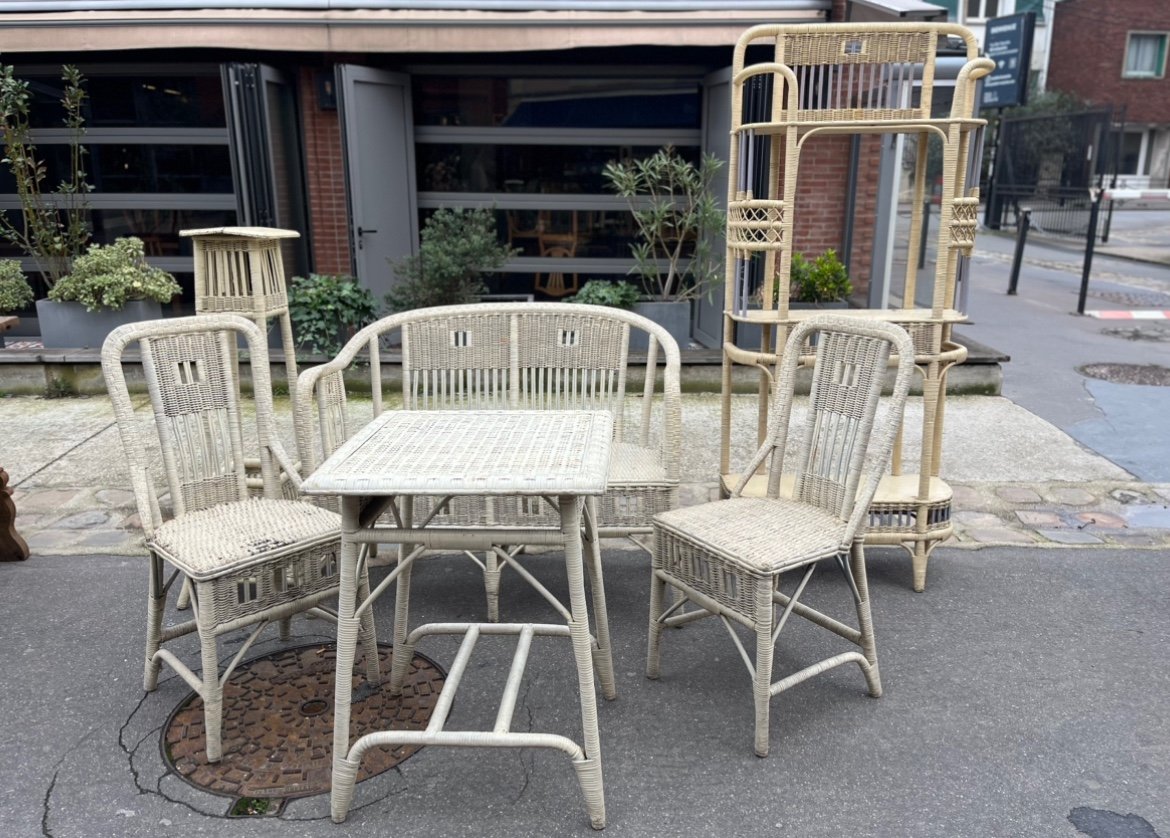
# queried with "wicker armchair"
point(519, 356)
point(727, 556)
point(245, 560)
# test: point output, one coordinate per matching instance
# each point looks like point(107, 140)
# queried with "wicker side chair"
point(246, 561)
point(532, 356)
point(726, 557)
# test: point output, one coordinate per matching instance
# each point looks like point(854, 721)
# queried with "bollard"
point(1090, 243)
point(925, 233)
point(1024, 224)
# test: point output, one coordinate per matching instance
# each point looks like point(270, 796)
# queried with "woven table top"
point(472, 452)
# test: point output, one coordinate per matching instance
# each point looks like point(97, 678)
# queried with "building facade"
point(1112, 58)
point(352, 121)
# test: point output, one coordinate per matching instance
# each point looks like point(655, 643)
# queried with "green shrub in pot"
point(604, 292)
point(326, 309)
point(15, 291)
point(109, 276)
point(823, 280)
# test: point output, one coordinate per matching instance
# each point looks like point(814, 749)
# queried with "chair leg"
point(155, 606)
point(212, 693)
point(762, 682)
point(286, 628)
point(865, 619)
point(657, 594)
point(491, 584)
point(184, 596)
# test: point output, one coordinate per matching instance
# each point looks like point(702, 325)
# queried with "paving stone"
point(48, 500)
point(1070, 536)
point(1017, 494)
point(1000, 535)
point(1127, 496)
point(1070, 496)
point(50, 540)
point(966, 497)
point(972, 518)
point(84, 520)
point(1150, 516)
point(116, 497)
point(1035, 518)
point(1101, 520)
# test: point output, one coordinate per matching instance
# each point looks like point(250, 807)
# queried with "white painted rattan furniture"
point(546, 356)
point(559, 458)
point(727, 556)
point(247, 561)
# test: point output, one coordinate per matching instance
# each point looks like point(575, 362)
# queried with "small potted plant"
point(821, 283)
point(107, 286)
point(327, 309)
point(15, 291)
point(677, 220)
point(605, 292)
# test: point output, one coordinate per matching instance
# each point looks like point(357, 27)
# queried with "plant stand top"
point(240, 270)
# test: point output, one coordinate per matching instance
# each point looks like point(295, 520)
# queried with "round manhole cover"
point(278, 723)
point(1152, 375)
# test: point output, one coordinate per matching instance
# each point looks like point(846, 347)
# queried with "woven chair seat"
point(632, 465)
point(233, 536)
point(759, 535)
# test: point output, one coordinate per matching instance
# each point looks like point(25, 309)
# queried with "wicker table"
point(561, 457)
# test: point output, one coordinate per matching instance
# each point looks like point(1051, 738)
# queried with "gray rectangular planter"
point(70, 326)
point(674, 316)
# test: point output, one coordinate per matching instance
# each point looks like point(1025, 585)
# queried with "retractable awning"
point(404, 27)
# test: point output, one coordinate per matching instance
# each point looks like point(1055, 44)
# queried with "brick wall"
point(328, 217)
point(1087, 54)
point(822, 200)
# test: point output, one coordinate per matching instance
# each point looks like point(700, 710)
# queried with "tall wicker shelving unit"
point(826, 79)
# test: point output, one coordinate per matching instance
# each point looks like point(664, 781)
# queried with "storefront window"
point(533, 149)
point(557, 102)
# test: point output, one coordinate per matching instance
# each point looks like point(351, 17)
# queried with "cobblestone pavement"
point(1016, 479)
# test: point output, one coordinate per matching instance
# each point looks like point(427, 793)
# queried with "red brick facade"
point(822, 201)
point(328, 214)
point(1087, 55)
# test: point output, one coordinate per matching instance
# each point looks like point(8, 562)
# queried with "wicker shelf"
point(849, 79)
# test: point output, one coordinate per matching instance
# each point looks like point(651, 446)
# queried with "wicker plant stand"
point(240, 270)
point(833, 79)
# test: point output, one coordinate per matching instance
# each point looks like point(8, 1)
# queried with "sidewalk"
point(1017, 479)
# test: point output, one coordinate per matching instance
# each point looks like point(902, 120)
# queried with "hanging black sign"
point(1009, 42)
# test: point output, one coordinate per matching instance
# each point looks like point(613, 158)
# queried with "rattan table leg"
point(345, 774)
point(589, 770)
point(604, 651)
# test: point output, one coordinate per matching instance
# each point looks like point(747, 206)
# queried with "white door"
point(378, 137)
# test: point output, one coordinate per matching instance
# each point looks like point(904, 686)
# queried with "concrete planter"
point(674, 316)
point(69, 325)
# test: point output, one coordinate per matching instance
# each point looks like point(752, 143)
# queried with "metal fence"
point(1048, 163)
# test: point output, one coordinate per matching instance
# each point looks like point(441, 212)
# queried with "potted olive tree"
point(108, 285)
point(677, 219)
